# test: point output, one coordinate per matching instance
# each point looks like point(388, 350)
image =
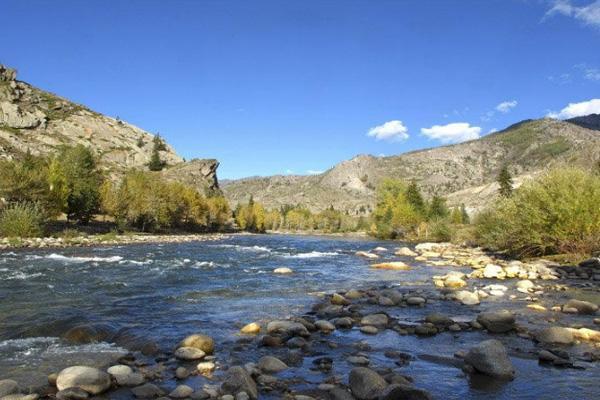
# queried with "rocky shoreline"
point(515, 309)
point(106, 240)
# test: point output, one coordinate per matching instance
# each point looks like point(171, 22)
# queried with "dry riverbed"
point(483, 316)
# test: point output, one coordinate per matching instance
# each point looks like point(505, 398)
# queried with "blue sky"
point(275, 87)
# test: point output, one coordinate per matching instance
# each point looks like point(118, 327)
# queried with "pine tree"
point(156, 164)
point(506, 183)
point(415, 198)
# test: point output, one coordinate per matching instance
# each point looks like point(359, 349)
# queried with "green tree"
point(506, 183)
point(465, 215)
point(438, 208)
point(415, 198)
point(156, 163)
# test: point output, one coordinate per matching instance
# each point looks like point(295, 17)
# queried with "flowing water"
point(162, 292)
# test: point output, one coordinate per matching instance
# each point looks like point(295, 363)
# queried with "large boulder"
point(490, 358)
point(497, 321)
point(555, 335)
point(199, 341)
point(366, 384)
point(92, 380)
point(287, 327)
point(239, 380)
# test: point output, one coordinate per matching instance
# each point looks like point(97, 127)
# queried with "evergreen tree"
point(506, 183)
point(415, 198)
point(465, 215)
point(438, 208)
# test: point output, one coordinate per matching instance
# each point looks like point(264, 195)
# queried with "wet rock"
point(200, 342)
point(339, 300)
point(149, 349)
point(582, 307)
point(426, 329)
point(377, 320)
point(497, 321)
point(270, 364)
point(19, 396)
point(493, 271)
point(205, 367)
point(8, 386)
point(296, 342)
point(385, 301)
point(181, 373)
point(287, 327)
point(369, 330)
point(490, 358)
point(555, 335)
point(147, 391)
point(239, 380)
point(343, 323)
point(189, 353)
point(353, 294)
point(271, 341)
point(181, 392)
point(52, 379)
point(404, 392)
point(366, 384)
point(324, 326)
point(339, 393)
point(251, 329)
point(438, 319)
point(366, 254)
point(72, 394)
point(524, 286)
point(593, 262)
point(82, 334)
point(358, 360)
point(453, 281)
point(92, 380)
point(415, 301)
point(283, 271)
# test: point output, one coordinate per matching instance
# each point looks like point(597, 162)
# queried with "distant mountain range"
point(464, 173)
point(37, 121)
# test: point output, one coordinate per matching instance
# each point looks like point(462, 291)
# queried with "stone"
point(343, 323)
point(490, 358)
point(467, 298)
point(380, 249)
point(270, 364)
point(92, 380)
point(119, 370)
point(555, 335)
point(376, 320)
point(8, 386)
point(369, 330)
point(72, 394)
point(296, 342)
point(324, 326)
point(524, 286)
point(454, 282)
point(493, 271)
point(283, 271)
point(404, 392)
point(582, 307)
point(189, 353)
point(438, 319)
point(426, 329)
point(358, 360)
point(593, 262)
point(385, 301)
point(19, 396)
point(200, 342)
point(536, 307)
point(181, 392)
point(501, 321)
point(239, 380)
point(181, 373)
point(405, 251)
point(133, 379)
point(147, 391)
point(367, 255)
point(287, 327)
point(366, 384)
point(353, 294)
point(251, 329)
point(206, 367)
point(339, 300)
point(392, 265)
point(415, 301)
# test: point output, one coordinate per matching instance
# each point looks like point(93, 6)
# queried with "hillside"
point(466, 169)
point(37, 121)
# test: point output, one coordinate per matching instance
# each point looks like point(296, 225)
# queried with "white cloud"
point(289, 171)
point(314, 172)
point(577, 109)
point(452, 133)
point(506, 106)
point(589, 14)
point(391, 130)
point(591, 74)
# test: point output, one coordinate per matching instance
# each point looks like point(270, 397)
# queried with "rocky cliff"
point(464, 172)
point(39, 122)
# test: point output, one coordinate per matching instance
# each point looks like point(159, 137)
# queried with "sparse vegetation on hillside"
point(557, 213)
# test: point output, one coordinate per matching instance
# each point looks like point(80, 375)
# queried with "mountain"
point(464, 172)
point(37, 121)
point(591, 121)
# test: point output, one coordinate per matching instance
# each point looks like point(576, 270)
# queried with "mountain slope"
point(526, 147)
point(39, 122)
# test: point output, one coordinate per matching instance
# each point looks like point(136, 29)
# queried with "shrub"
point(21, 220)
point(556, 213)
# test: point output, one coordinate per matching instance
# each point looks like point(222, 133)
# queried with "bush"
point(556, 213)
point(21, 220)
point(440, 231)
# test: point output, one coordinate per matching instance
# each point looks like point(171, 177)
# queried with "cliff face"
point(466, 169)
point(39, 122)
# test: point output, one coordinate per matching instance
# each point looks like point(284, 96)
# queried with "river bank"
point(412, 336)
